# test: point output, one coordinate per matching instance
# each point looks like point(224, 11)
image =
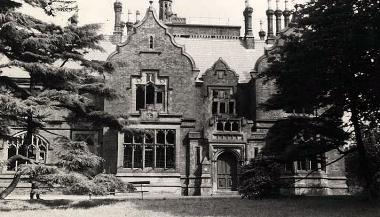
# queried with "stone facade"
point(191, 98)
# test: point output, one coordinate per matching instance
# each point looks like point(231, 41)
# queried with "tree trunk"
point(11, 187)
point(363, 158)
point(17, 176)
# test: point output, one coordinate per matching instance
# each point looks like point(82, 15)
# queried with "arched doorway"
point(227, 172)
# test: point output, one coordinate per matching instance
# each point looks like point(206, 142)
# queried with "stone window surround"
point(144, 144)
point(306, 166)
point(161, 81)
point(151, 42)
point(35, 139)
point(120, 160)
point(222, 99)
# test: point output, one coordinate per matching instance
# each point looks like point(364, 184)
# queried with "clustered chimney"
point(287, 14)
point(278, 13)
point(248, 34)
point(165, 10)
point(270, 13)
point(129, 23)
point(137, 16)
point(119, 25)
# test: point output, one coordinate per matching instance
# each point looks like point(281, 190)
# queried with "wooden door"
point(227, 172)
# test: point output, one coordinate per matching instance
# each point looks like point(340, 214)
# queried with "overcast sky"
point(196, 11)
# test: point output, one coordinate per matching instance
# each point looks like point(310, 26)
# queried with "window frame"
point(141, 93)
point(222, 96)
point(151, 42)
point(155, 146)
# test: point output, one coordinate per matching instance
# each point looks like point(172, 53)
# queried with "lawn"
point(293, 207)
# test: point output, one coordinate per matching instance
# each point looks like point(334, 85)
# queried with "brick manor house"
point(192, 92)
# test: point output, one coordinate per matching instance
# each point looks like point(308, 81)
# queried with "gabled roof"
point(206, 51)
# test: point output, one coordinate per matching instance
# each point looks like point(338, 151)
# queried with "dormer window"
point(151, 42)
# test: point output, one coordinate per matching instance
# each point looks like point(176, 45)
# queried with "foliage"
point(112, 183)
point(355, 175)
point(260, 178)
point(329, 62)
point(298, 137)
point(43, 50)
point(74, 172)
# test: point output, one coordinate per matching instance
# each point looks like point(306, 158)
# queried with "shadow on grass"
point(284, 207)
point(23, 205)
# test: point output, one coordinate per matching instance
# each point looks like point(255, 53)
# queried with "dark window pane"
point(215, 94)
point(149, 137)
point(214, 108)
point(140, 97)
point(160, 137)
point(231, 107)
point(170, 162)
point(149, 156)
point(198, 155)
point(222, 108)
point(139, 137)
point(159, 97)
point(127, 156)
point(219, 126)
point(138, 156)
point(235, 126)
point(31, 152)
point(151, 42)
point(314, 164)
point(227, 126)
point(128, 137)
point(170, 137)
point(11, 153)
point(160, 157)
point(150, 94)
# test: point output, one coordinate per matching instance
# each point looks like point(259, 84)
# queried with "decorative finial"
point(151, 2)
point(269, 4)
point(248, 3)
point(129, 15)
point(262, 33)
point(286, 4)
point(277, 3)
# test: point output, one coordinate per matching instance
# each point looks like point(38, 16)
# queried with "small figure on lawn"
point(35, 191)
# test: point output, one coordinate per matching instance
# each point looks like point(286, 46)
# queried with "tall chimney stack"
point(137, 16)
point(119, 25)
point(278, 14)
point(248, 19)
point(270, 14)
point(129, 22)
point(249, 39)
point(287, 14)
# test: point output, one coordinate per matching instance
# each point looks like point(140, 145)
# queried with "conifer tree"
point(328, 61)
point(43, 50)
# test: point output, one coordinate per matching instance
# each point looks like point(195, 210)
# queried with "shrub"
point(260, 178)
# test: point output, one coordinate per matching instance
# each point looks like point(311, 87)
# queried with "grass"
point(290, 207)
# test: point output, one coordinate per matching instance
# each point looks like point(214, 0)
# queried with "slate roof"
point(206, 52)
